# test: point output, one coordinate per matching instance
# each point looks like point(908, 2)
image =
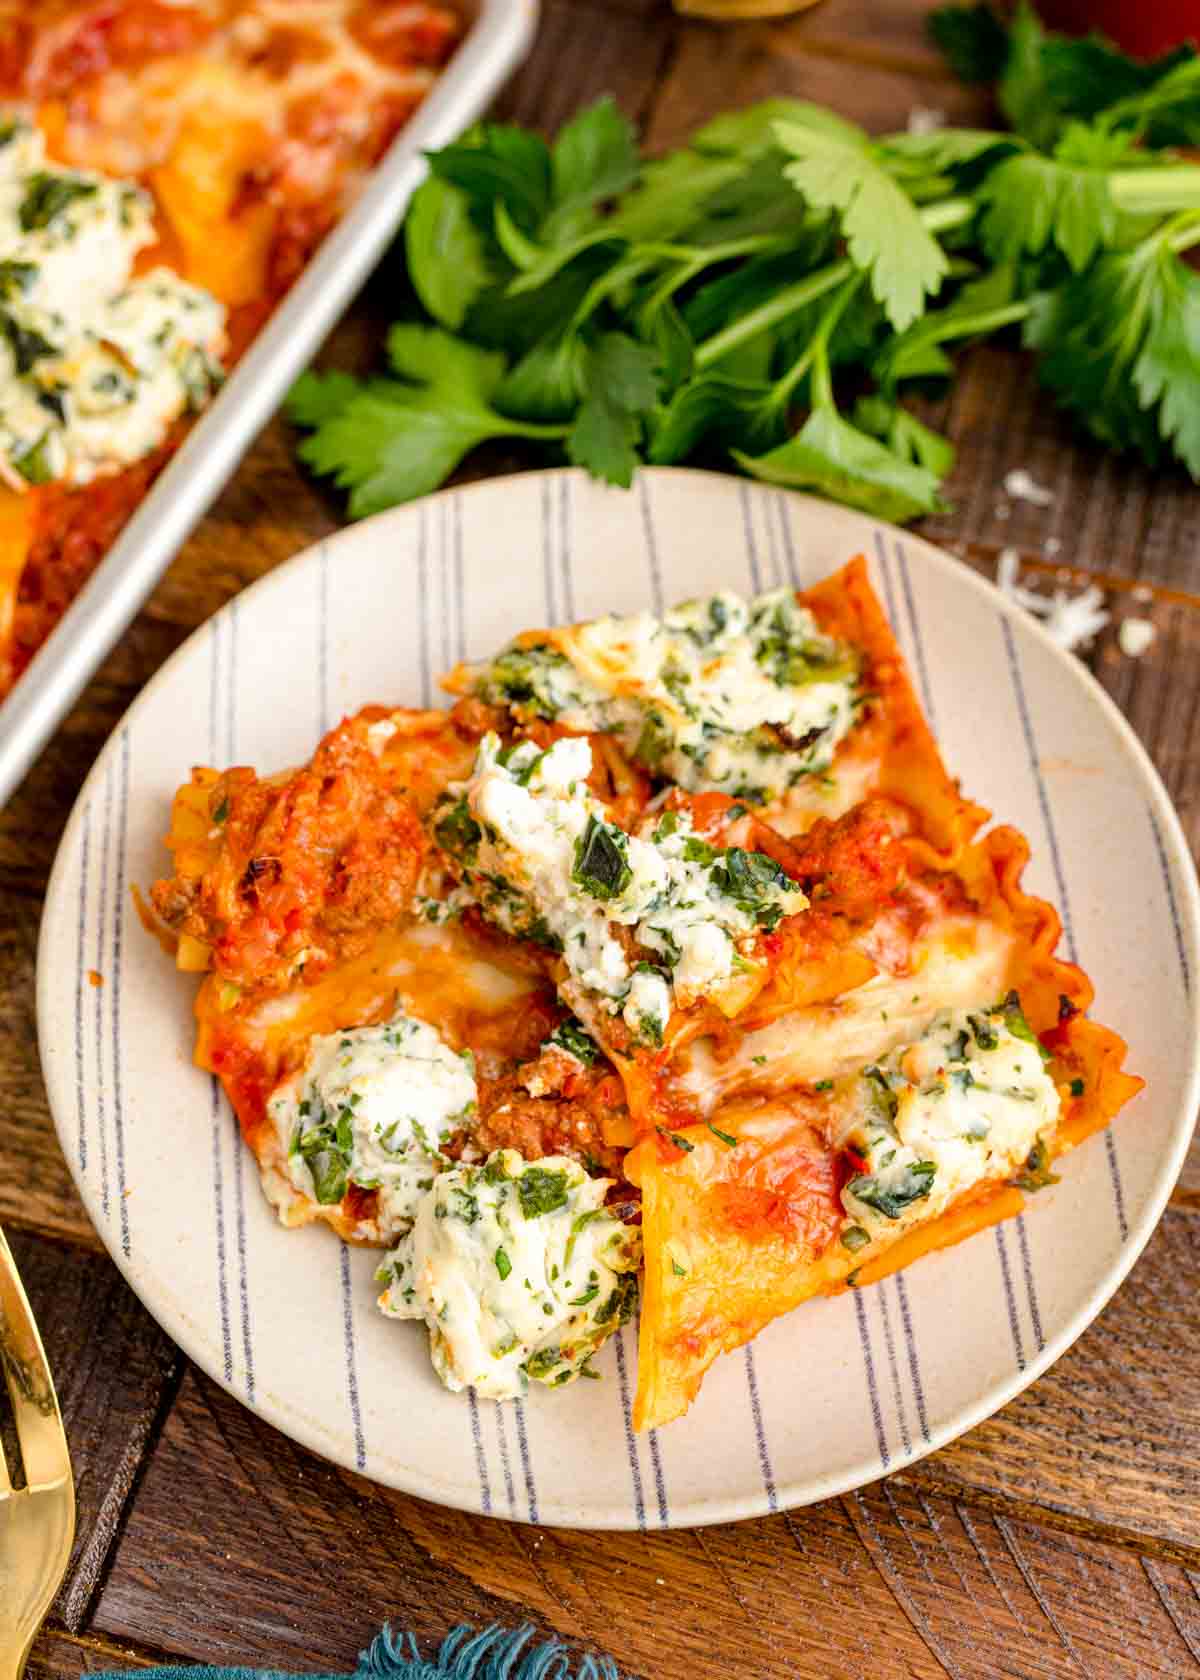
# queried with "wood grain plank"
point(114, 1371)
point(58, 1655)
point(713, 66)
point(242, 1547)
point(1108, 510)
point(586, 48)
point(1108, 1435)
point(35, 1187)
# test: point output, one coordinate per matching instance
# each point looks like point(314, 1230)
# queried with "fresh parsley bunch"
point(769, 293)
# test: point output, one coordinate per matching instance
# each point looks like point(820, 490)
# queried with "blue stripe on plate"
point(760, 1432)
point(639, 1499)
point(660, 1480)
point(1172, 905)
point(654, 571)
point(918, 640)
point(219, 1123)
point(505, 1468)
point(864, 1339)
point(549, 581)
point(423, 603)
point(889, 592)
point(80, 976)
point(564, 546)
point(526, 1459)
point(218, 1179)
point(101, 930)
point(889, 1344)
point(780, 503)
point(914, 1369)
point(1035, 1315)
point(485, 1486)
point(117, 959)
point(360, 1442)
point(1010, 1299)
point(756, 581)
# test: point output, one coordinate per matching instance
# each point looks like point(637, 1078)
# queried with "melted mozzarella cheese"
point(517, 1271)
point(964, 965)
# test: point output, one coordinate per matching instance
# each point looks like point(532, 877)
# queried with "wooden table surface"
point(1062, 1538)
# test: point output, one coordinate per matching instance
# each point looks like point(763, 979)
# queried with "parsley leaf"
point(622, 386)
point(1120, 347)
point(393, 441)
point(594, 157)
point(884, 232)
point(1065, 200)
point(905, 435)
point(447, 257)
point(831, 455)
point(500, 165)
point(317, 397)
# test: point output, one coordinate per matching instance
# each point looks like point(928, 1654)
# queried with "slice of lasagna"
point(672, 945)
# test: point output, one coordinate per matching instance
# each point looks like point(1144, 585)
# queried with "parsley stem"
point(774, 310)
point(1156, 191)
point(938, 218)
point(947, 214)
point(1185, 235)
point(817, 352)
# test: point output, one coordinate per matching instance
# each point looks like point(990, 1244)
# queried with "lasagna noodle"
point(892, 753)
point(733, 1237)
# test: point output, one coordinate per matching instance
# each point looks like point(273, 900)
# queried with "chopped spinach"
point(541, 1191)
point(569, 1036)
point(892, 1195)
point(600, 866)
point(457, 832)
point(47, 196)
point(1036, 1174)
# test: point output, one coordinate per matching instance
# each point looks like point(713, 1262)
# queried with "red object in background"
point(1144, 28)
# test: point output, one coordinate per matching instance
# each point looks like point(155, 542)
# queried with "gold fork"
point(37, 1522)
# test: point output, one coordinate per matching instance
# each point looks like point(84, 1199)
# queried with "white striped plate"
point(826, 1399)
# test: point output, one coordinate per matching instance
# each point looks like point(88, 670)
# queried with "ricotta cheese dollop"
point(537, 853)
point(517, 1269)
point(372, 1107)
point(95, 364)
point(967, 1101)
point(749, 697)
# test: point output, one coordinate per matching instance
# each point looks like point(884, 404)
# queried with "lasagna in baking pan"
point(166, 168)
point(669, 961)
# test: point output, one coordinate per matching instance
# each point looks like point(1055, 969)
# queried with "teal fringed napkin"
point(495, 1654)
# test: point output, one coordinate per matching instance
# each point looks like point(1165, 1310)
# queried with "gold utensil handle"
point(732, 11)
point(37, 1522)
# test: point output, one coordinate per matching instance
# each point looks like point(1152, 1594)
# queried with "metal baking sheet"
point(495, 42)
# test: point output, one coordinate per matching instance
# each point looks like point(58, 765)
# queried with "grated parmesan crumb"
point(925, 119)
point(1070, 620)
point(1023, 487)
point(1134, 636)
point(1051, 547)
